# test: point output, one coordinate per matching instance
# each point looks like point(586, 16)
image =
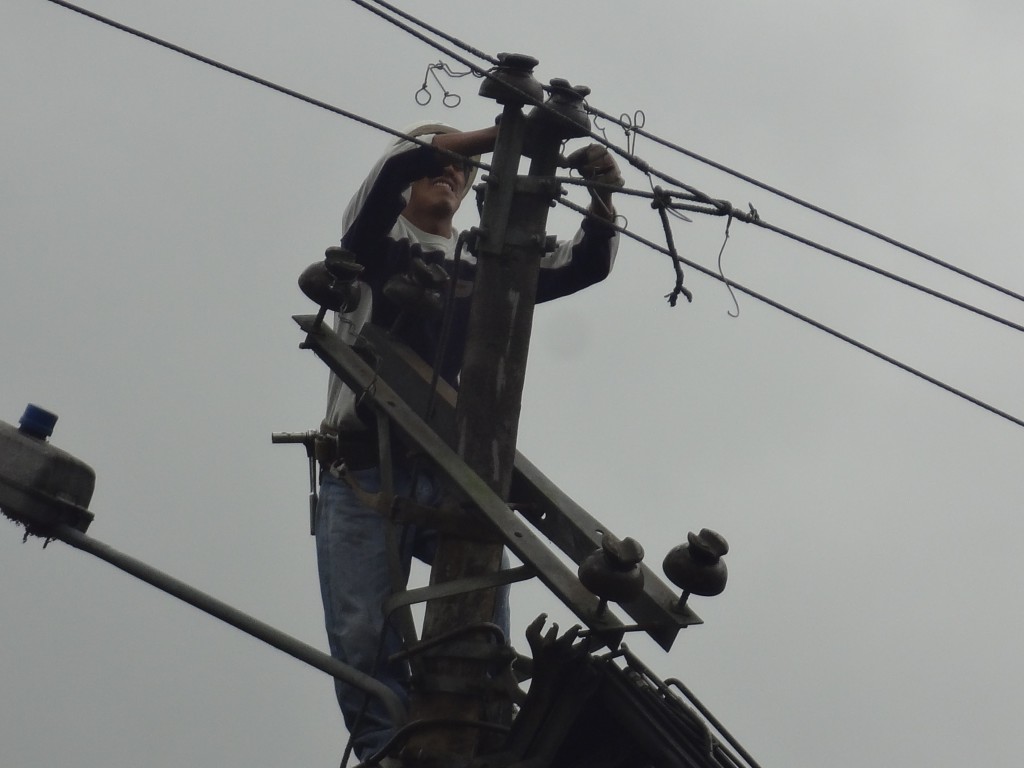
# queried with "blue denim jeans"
point(352, 560)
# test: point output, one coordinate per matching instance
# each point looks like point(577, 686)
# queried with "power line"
point(432, 43)
point(804, 318)
point(724, 208)
point(721, 207)
point(433, 30)
point(717, 207)
point(759, 222)
point(252, 78)
point(884, 273)
point(225, 67)
point(810, 206)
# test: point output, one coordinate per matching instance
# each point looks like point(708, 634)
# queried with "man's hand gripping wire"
point(598, 167)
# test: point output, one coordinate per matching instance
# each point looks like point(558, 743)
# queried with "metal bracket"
point(401, 388)
point(457, 587)
point(527, 546)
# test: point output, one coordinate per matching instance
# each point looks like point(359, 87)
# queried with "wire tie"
point(721, 273)
point(660, 203)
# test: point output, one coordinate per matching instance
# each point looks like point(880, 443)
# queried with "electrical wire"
point(634, 126)
point(432, 43)
point(804, 318)
point(639, 129)
point(453, 40)
point(717, 207)
point(259, 80)
point(226, 68)
point(721, 206)
point(726, 209)
point(624, 153)
point(759, 222)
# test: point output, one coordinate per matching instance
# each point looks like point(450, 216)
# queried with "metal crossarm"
point(577, 533)
point(517, 536)
point(398, 383)
point(564, 522)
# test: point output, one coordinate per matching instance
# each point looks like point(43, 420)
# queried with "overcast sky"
point(154, 216)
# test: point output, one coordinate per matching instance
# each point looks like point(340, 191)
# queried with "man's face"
point(440, 192)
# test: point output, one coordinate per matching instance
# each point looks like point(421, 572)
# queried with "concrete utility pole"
point(510, 243)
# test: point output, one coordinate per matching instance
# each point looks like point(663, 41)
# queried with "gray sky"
point(155, 214)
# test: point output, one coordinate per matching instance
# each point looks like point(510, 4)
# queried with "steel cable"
point(433, 30)
point(804, 318)
point(719, 206)
point(716, 206)
point(725, 209)
point(638, 129)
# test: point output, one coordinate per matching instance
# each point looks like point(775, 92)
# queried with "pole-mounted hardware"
point(613, 572)
point(470, 440)
point(331, 283)
point(563, 110)
point(512, 81)
point(697, 567)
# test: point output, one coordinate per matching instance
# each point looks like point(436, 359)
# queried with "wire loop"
point(450, 99)
point(630, 125)
point(596, 125)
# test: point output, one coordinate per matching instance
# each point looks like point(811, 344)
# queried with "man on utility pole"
point(401, 222)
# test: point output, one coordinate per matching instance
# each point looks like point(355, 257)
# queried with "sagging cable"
point(661, 202)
